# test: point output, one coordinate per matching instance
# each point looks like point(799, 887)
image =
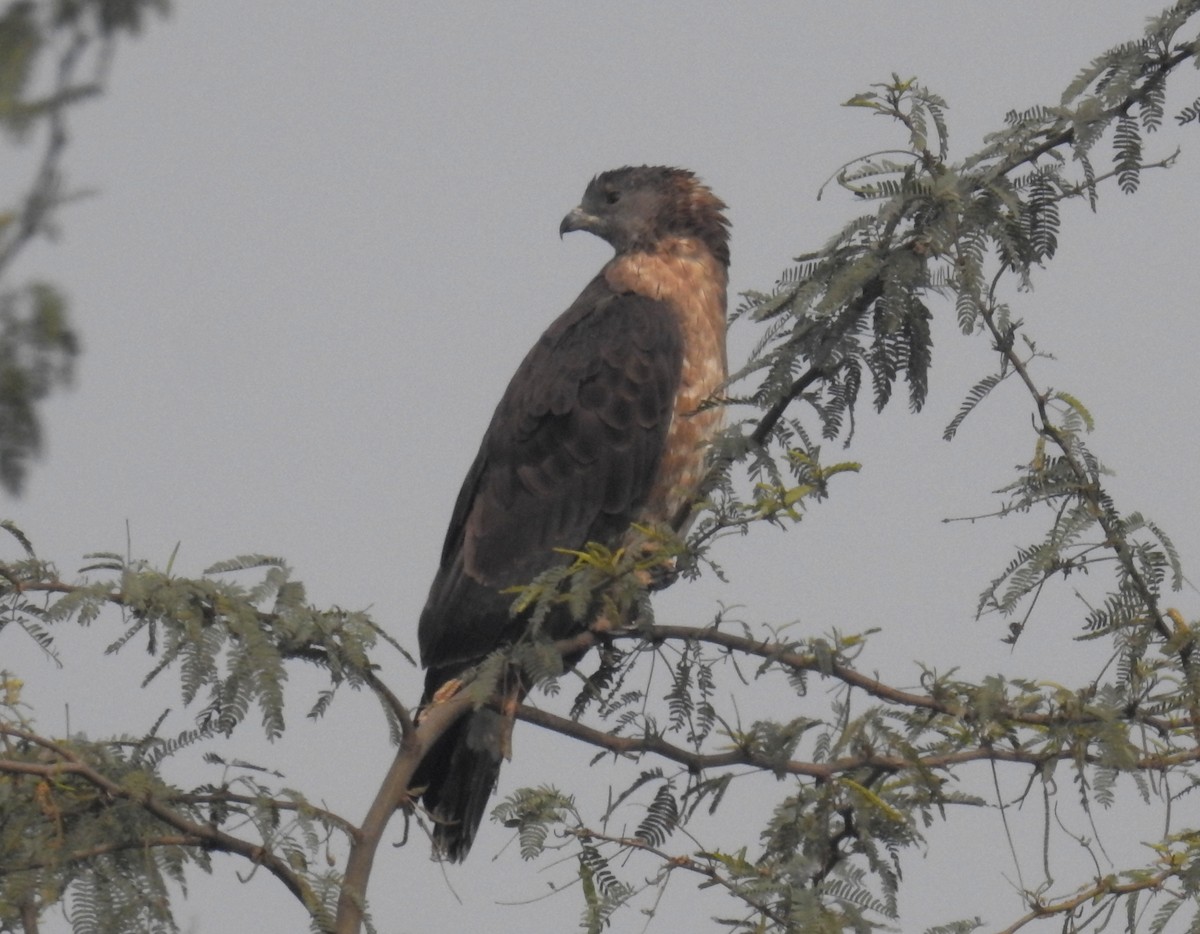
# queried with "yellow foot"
point(446, 691)
point(508, 710)
point(440, 696)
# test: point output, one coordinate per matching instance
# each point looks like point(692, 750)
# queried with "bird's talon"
point(446, 691)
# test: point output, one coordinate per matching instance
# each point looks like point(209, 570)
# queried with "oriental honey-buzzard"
point(601, 427)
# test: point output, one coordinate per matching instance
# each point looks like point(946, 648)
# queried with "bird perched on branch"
point(602, 426)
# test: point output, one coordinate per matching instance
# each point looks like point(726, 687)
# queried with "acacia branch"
point(873, 289)
point(1104, 888)
point(393, 793)
point(391, 701)
point(787, 655)
point(1067, 136)
point(43, 194)
point(102, 849)
point(870, 292)
point(829, 771)
point(1089, 488)
point(656, 745)
point(68, 763)
point(275, 804)
point(310, 652)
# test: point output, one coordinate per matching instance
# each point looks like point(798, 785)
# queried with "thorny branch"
point(1105, 889)
point(66, 762)
point(828, 771)
point(788, 655)
point(1088, 485)
point(364, 840)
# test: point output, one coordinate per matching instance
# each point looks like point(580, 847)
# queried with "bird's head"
point(635, 207)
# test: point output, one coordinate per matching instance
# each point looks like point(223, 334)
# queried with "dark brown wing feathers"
point(568, 458)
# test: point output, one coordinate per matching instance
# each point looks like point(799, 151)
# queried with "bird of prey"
point(602, 426)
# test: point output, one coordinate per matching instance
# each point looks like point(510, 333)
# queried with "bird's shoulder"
point(606, 336)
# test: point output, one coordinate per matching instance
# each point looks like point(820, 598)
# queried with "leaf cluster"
point(38, 345)
point(76, 812)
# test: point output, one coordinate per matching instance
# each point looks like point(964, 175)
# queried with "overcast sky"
point(326, 234)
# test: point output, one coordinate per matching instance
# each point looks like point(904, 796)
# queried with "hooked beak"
point(578, 219)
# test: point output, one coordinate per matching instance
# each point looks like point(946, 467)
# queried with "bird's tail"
point(459, 775)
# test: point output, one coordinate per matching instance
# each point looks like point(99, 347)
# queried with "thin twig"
point(689, 863)
point(1088, 486)
point(1105, 888)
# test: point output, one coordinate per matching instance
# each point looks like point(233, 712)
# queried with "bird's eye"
point(612, 196)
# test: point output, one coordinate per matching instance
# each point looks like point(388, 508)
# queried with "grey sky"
point(326, 234)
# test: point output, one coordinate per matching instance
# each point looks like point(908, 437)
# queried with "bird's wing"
point(570, 456)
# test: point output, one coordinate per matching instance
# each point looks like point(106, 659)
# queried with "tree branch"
point(102, 849)
point(1104, 888)
point(787, 655)
point(1088, 486)
point(656, 745)
point(311, 652)
point(276, 804)
point(43, 195)
point(871, 290)
point(68, 763)
point(393, 793)
point(1067, 136)
point(829, 771)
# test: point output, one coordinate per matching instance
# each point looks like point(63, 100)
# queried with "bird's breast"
point(685, 276)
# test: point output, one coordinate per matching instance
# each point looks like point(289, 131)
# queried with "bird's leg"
point(508, 719)
point(446, 691)
point(508, 716)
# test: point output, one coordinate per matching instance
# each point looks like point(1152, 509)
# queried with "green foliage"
point(94, 822)
point(38, 345)
point(20, 41)
point(603, 893)
point(37, 349)
point(533, 813)
point(662, 815)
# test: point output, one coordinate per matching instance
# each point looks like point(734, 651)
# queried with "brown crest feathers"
point(636, 207)
point(699, 213)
